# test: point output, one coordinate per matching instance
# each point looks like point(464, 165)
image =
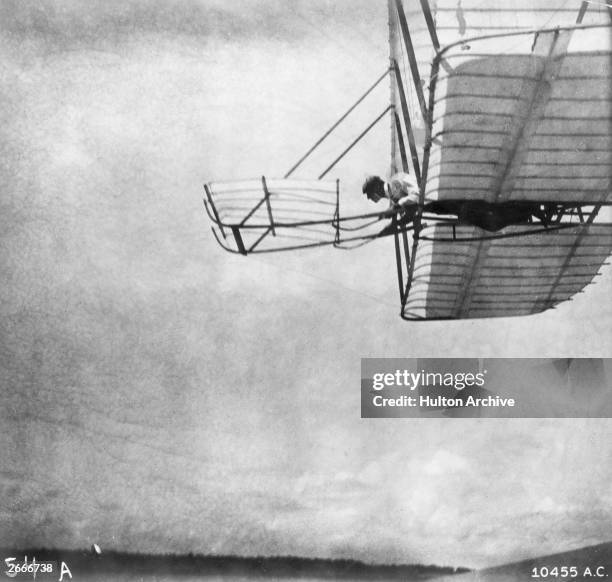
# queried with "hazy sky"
point(158, 394)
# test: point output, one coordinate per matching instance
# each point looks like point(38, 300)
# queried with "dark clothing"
point(489, 216)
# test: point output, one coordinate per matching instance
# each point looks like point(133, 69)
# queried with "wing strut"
point(331, 129)
point(355, 142)
point(406, 114)
point(414, 68)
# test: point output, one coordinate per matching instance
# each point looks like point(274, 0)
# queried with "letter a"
point(65, 570)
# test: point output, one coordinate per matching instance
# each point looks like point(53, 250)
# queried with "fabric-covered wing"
point(503, 276)
point(527, 117)
point(452, 21)
point(526, 126)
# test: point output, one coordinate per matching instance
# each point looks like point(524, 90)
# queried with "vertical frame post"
point(406, 115)
point(398, 260)
point(414, 68)
point(268, 206)
point(214, 209)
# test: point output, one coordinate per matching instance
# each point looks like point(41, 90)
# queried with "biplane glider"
point(504, 103)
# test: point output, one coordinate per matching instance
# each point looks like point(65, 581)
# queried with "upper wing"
point(526, 126)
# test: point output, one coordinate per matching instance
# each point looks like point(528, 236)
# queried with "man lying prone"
point(402, 193)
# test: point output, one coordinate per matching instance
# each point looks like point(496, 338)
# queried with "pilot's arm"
point(407, 211)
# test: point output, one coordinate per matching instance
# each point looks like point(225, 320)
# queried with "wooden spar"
point(354, 142)
point(400, 142)
point(336, 124)
point(392, 97)
point(268, 205)
point(414, 68)
point(408, 123)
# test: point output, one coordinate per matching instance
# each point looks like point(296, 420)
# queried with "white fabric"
point(402, 189)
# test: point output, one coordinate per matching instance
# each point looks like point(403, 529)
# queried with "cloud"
point(445, 463)
point(66, 23)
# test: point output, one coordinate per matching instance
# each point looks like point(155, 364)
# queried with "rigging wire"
point(362, 37)
point(355, 141)
point(336, 124)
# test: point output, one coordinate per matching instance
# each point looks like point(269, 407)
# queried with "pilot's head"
point(374, 188)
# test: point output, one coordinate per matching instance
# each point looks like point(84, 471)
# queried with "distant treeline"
point(109, 562)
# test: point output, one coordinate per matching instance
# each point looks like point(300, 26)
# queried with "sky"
point(157, 394)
